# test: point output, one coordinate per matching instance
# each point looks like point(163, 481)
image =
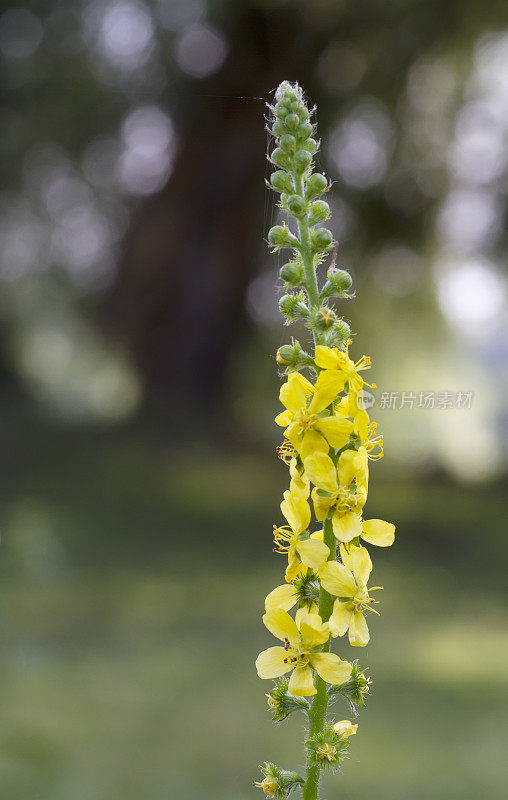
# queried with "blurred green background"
point(138, 323)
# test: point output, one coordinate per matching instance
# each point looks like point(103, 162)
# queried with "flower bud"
point(319, 211)
point(278, 128)
point(291, 122)
point(281, 181)
point(296, 205)
point(280, 236)
point(280, 158)
point(311, 145)
point(325, 317)
point(302, 160)
point(292, 357)
point(304, 130)
point(280, 111)
point(303, 113)
point(340, 279)
point(321, 239)
point(294, 307)
point(316, 185)
point(287, 142)
point(287, 355)
point(342, 330)
point(291, 273)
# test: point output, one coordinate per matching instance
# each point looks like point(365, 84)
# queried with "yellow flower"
point(328, 494)
point(348, 581)
point(310, 551)
point(345, 728)
point(329, 358)
point(300, 636)
point(306, 430)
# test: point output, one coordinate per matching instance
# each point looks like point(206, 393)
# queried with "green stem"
point(317, 713)
point(306, 249)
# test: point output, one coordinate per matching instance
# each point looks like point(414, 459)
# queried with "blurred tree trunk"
point(178, 300)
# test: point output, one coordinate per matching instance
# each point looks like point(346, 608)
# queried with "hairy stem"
point(306, 249)
point(317, 713)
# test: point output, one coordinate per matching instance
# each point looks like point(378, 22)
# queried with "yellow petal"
point(339, 619)
point(294, 568)
point(358, 630)
point(345, 728)
point(336, 430)
point(284, 597)
point(321, 505)
point(282, 625)
point(331, 668)
point(321, 470)
point(319, 535)
point(299, 481)
point(270, 663)
point(296, 510)
point(325, 357)
point(346, 526)
point(357, 559)
point(328, 385)
point(346, 467)
point(362, 425)
point(362, 466)
point(301, 683)
point(284, 418)
point(312, 442)
point(293, 394)
point(377, 531)
point(337, 579)
point(313, 553)
point(314, 631)
point(294, 435)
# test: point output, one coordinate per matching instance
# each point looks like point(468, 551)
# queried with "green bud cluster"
point(300, 190)
point(282, 703)
point(278, 783)
point(355, 690)
point(326, 748)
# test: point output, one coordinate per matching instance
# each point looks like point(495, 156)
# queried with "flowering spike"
point(328, 443)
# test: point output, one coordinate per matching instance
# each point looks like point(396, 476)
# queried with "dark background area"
point(138, 326)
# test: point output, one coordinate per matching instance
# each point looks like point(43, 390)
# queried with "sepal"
point(278, 783)
point(327, 748)
point(282, 703)
point(355, 690)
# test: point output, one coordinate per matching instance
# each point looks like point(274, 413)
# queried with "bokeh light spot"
point(201, 51)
